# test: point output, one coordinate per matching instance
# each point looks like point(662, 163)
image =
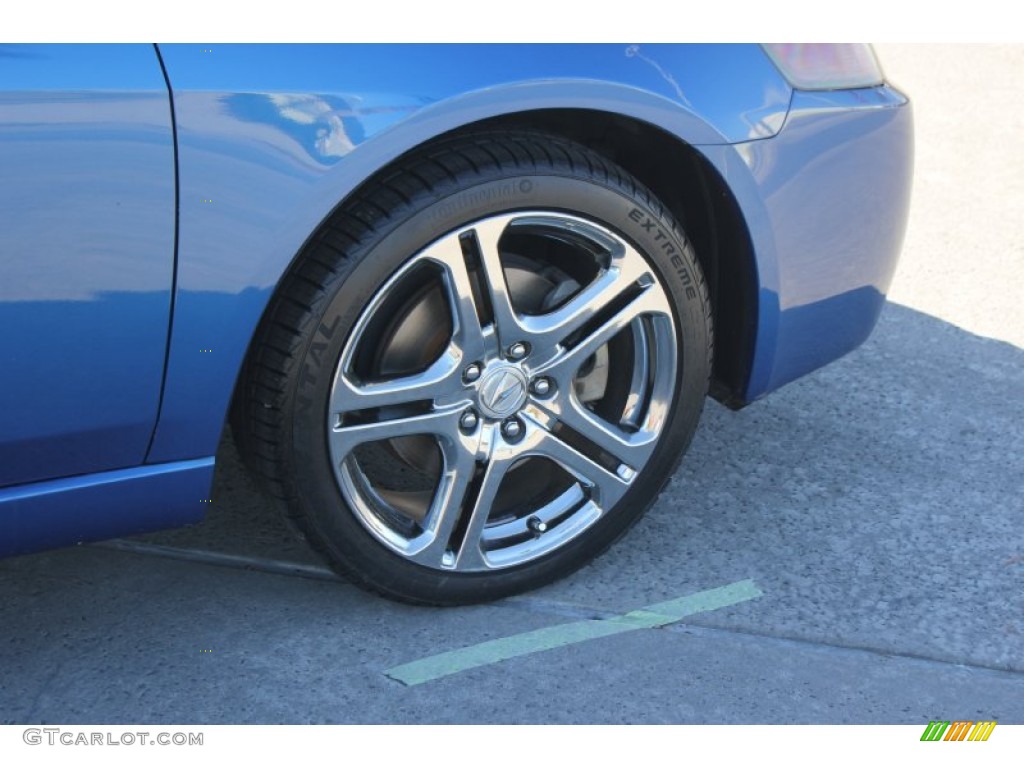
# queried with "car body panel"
point(87, 218)
point(826, 202)
point(103, 504)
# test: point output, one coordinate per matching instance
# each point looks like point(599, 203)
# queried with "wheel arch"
point(679, 175)
point(232, 260)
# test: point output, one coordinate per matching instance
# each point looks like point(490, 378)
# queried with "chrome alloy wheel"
point(502, 391)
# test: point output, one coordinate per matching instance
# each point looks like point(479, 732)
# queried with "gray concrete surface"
point(964, 254)
point(877, 504)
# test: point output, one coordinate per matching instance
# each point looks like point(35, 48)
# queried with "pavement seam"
point(527, 603)
point(241, 562)
point(568, 610)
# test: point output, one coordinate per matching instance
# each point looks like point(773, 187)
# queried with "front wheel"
point(482, 370)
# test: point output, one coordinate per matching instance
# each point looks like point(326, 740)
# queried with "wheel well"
point(695, 194)
point(698, 197)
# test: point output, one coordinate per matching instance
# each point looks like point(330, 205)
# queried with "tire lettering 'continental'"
point(664, 242)
point(483, 196)
point(314, 361)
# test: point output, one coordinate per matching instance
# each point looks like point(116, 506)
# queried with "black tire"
point(335, 488)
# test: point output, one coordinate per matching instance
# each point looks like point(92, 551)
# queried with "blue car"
point(460, 306)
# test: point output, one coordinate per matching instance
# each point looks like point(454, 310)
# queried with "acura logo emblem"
point(502, 392)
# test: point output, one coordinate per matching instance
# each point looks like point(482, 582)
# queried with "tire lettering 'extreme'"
point(664, 242)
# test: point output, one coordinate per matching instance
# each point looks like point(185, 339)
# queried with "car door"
point(87, 231)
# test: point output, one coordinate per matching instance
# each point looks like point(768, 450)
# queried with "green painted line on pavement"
point(493, 651)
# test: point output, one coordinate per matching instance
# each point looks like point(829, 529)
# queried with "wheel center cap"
point(502, 391)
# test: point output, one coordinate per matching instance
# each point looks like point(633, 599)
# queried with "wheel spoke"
point(487, 235)
point(631, 449)
point(651, 300)
point(547, 332)
point(608, 486)
point(441, 378)
point(446, 509)
point(467, 334)
point(345, 438)
point(470, 554)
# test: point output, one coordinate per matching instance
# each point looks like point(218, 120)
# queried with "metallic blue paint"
point(103, 504)
point(826, 202)
point(270, 140)
point(86, 256)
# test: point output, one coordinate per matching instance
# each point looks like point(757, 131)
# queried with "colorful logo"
point(958, 730)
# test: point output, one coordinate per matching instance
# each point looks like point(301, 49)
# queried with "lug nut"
point(541, 387)
point(517, 351)
point(512, 429)
point(472, 373)
point(468, 421)
point(536, 525)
